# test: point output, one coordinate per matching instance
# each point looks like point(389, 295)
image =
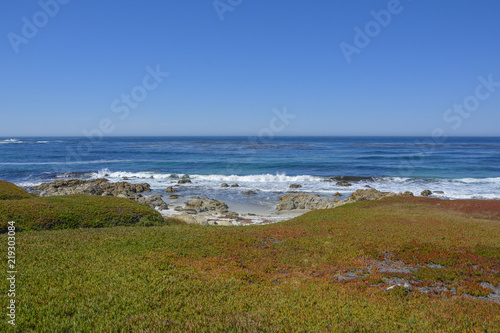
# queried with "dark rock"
point(438, 192)
point(343, 183)
point(250, 192)
point(235, 185)
point(184, 181)
point(175, 196)
point(224, 185)
point(338, 194)
point(295, 186)
point(426, 193)
point(406, 194)
point(170, 189)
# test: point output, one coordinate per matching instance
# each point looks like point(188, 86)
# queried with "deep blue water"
point(462, 167)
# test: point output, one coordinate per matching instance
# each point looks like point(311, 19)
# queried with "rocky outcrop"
point(406, 194)
point(235, 185)
point(154, 201)
point(184, 181)
point(170, 189)
point(103, 188)
point(205, 204)
point(224, 185)
point(369, 194)
point(426, 193)
point(250, 192)
point(295, 186)
point(91, 187)
point(305, 201)
point(344, 183)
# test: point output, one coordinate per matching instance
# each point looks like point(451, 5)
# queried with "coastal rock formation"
point(170, 189)
point(295, 186)
point(224, 185)
point(306, 201)
point(235, 185)
point(426, 193)
point(91, 187)
point(343, 183)
point(406, 194)
point(369, 194)
point(337, 194)
point(205, 204)
point(250, 192)
point(184, 181)
point(103, 188)
point(154, 201)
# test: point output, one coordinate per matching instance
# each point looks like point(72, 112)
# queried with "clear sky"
point(327, 67)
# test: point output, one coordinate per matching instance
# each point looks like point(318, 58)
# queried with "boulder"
point(337, 194)
point(306, 201)
point(235, 185)
point(344, 183)
point(206, 205)
point(250, 192)
point(295, 186)
point(426, 193)
point(224, 185)
point(184, 181)
point(369, 194)
point(438, 192)
point(91, 187)
point(154, 201)
point(175, 196)
point(170, 189)
point(406, 194)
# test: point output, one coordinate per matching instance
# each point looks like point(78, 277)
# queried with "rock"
point(438, 192)
point(91, 187)
point(224, 185)
point(305, 201)
point(250, 192)
point(175, 196)
point(426, 193)
point(184, 181)
point(369, 194)
point(179, 209)
point(154, 201)
point(338, 194)
point(295, 186)
point(235, 185)
point(368, 186)
point(190, 211)
point(206, 205)
point(122, 196)
point(406, 194)
point(343, 183)
point(170, 189)
point(125, 178)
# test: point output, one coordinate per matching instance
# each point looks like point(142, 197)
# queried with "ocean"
point(460, 167)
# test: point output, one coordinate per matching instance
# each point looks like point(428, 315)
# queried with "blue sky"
point(234, 64)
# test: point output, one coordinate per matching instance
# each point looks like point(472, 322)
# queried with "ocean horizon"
point(455, 167)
